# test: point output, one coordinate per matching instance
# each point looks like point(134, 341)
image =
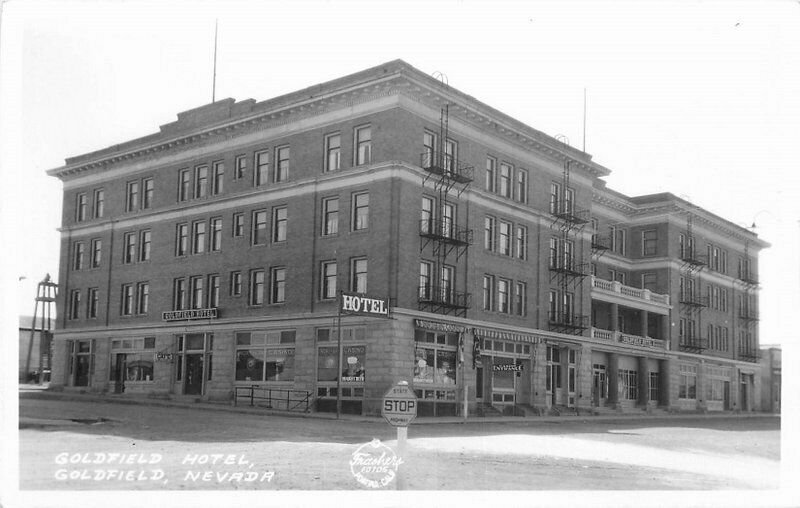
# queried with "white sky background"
point(701, 99)
point(698, 98)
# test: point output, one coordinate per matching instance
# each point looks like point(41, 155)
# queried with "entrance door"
point(193, 381)
point(119, 373)
point(479, 384)
point(727, 396)
point(599, 385)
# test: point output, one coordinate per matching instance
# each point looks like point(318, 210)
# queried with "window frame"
point(357, 208)
point(277, 292)
point(254, 227)
point(145, 245)
point(261, 168)
point(333, 150)
point(280, 224)
point(491, 174)
point(282, 162)
point(98, 203)
point(81, 205)
point(362, 157)
point(215, 234)
point(357, 275)
point(328, 281)
point(256, 289)
point(217, 177)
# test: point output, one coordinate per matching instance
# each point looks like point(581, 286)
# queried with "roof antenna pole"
point(214, 80)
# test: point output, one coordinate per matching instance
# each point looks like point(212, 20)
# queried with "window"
point(93, 301)
point(74, 303)
point(328, 280)
point(491, 174)
point(555, 198)
point(77, 253)
point(521, 242)
point(181, 239)
point(278, 285)
point(279, 221)
point(148, 188)
point(686, 246)
point(447, 284)
point(505, 180)
point(358, 271)
point(628, 384)
point(144, 245)
point(213, 291)
point(333, 151)
point(618, 239)
point(216, 234)
point(97, 252)
point(132, 196)
point(502, 295)
point(99, 203)
point(363, 145)
point(259, 232)
point(522, 186)
point(240, 165)
point(80, 207)
point(505, 238)
point(448, 219)
point(330, 216)
point(428, 149)
point(552, 305)
point(200, 181)
point(618, 276)
point(435, 361)
point(554, 259)
point(426, 216)
point(649, 242)
point(488, 233)
point(256, 287)
point(654, 385)
point(198, 237)
point(238, 224)
point(649, 281)
point(217, 177)
point(236, 283)
point(281, 164)
point(425, 271)
point(127, 300)
point(184, 185)
point(360, 211)
point(265, 355)
point(450, 155)
point(488, 292)
point(196, 288)
point(569, 201)
point(142, 297)
point(687, 384)
point(520, 298)
point(261, 173)
point(179, 294)
point(129, 248)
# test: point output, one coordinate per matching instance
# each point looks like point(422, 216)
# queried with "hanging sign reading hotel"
point(184, 315)
point(363, 305)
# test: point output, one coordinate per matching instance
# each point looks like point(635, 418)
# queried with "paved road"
point(669, 453)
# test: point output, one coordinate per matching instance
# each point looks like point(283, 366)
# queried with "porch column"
point(644, 381)
point(643, 322)
point(614, 317)
point(613, 379)
point(664, 377)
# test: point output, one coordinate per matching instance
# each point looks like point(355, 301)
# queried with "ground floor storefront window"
point(628, 383)
point(687, 382)
point(349, 377)
point(132, 361)
point(435, 363)
point(718, 388)
point(265, 356)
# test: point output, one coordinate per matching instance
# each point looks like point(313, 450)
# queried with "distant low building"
point(771, 379)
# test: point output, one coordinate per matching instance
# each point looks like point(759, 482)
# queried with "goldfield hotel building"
point(210, 258)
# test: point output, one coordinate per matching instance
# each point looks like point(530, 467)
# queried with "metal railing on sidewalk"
point(273, 398)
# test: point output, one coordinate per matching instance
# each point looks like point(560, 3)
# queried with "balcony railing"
point(748, 315)
point(694, 300)
point(567, 320)
point(749, 354)
point(749, 278)
point(569, 267)
point(443, 296)
point(626, 338)
point(693, 344)
point(693, 259)
point(446, 231)
point(632, 292)
point(443, 164)
point(566, 211)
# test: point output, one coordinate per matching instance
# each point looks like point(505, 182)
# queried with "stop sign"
point(399, 405)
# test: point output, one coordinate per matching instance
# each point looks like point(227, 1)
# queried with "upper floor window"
point(127, 300)
point(74, 303)
point(281, 164)
point(489, 233)
point(502, 295)
point(450, 155)
point(129, 248)
point(330, 216)
point(619, 238)
point(363, 145)
point(278, 285)
point(213, 291)
point(333, 151)
point(649, 242)
point(261, 172)
point(360, 211)
point(505, 238)
point(179, 294)
point(257, 287)
point(240, 166)
point(92, 302)
point(144, 245)
point(198, 237)
point(80, 207)
point(555, 198)
point(448, 219)
point(522, 186)
point(78, 254)
point(425, 279)
point(201, 181)
point(488, 292)
point(142, 297)
point(649, 281)
point(426, 215)
point(217, 177)
point(259, 231)
point(132, 196)
point(184, 185)
point(99, 203)
point(238, 224)
point(522, 242)
point(236, 283)
point(491, 174)
point(215, 244)
point(428, 148)
point(181, 239)
point(279, 222)
point(520, 298)
point(148, 191)
point(328, 286)
point(358, 270)
point(505, 180)
point(196, 289)
point(97, 250)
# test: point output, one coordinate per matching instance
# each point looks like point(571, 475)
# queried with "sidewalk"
point(41, 392)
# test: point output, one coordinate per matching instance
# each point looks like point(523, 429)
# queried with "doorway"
point(120, 368)
point(599, 385)
point(193, 380)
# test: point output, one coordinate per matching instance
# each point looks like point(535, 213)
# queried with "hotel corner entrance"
point(503, 378)
point(193, 362)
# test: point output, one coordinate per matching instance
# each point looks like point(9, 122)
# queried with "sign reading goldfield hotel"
point(181, 315)
point(363, 305)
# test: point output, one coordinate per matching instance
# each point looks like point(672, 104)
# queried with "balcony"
point(445, 231)
point(566, 211)
point(693, 259)
point(748, 278)
point(617, 289)
point(562, 321)
point(443, 297)
point(626, 338)
point(569, 267)
point(749, 354)
point(693, 300)
point(444, 165)
point(693, 344)
point(748, 315)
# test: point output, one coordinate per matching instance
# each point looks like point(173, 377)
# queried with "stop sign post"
point(399, 409)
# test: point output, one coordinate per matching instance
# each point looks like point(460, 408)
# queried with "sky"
point(698, 98)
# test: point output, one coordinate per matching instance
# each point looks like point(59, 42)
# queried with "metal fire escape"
point(567, 268)
point(449, 178)
point(747, 310)
point(691, 301)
